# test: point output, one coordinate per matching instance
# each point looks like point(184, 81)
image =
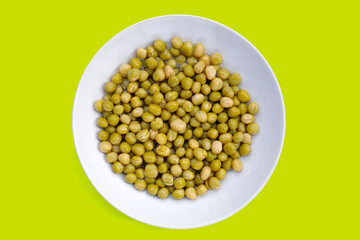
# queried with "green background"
point(313, 48)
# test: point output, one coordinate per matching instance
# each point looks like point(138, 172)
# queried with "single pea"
point(235, 79)
point(190, 193)
point(217, 109)
point(187, 49)
point(108, 105)
point(214, 183)
point(229, 148)
point(188, 71)
point(241, 127)
point(115, 138)
point(159, 75)
point(163, 150)
point(233, 112)
point(151, 52)
point(188, 175)
point(125, 97)
point(194, 122)
point(117, 78)
point(163, 193)
point(185, 163)
point(159, 45)
point(189, 183)
point(171, 96)
point(201, 116)
point(220, 174)
point(165, 55)
point(222, 157)
point(99, 105)
point(149, 157)
point(168, 179)
point(157, 97)
point(155, 109)
point(176, 170)
point(247, 118)
point(236, 165)
point(162, 168)
point(110, 87)
point(180, 152)
point(179, 183)
point(245, 149)
point(102, 122)
point(215, 58)
point(223, 73)
point(179, 141)
point(233, 124)
point(171, 135)
point(238, 137)
point(130, 178)
point(115, 98)
point(159, 183)
point(172, 106)
point(137, 112)
point(201, 189)
point(186, 94)
point(196, 164)
point(111, 157)
point(246, 138)
point(130, 138)
point(173, 81)
point(187, 83)
point(216, 84)
point(129, 169)
point(103, 135)
point(152, 189)
point(253, 108)
point(136, 161)
point(180, 60)
point(135, 62)
point(141, 53)
point(252, 128)
point(178, 194)
point(215, 165)
point(151, 170)
point(213, 133)
point(198, 99)
point(198, 132)
point(215, 96)
point(174, 52)
point(151, 63)
point(146, 85)
point(117, 167)
point(142, 135)
point(138, 149)
point(125, 147)
point(149, 180)
point(199, 67)
point(133, 74)
point(243, 95)
point(176, 42)
point(243, 108)
point(198, 179)
point(157, 123)
point(140, 184)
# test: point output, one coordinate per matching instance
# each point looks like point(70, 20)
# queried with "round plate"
point(238, 188)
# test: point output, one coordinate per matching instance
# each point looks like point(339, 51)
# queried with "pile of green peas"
point(174, 120)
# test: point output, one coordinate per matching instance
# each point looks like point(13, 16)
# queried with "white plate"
point(237, 189)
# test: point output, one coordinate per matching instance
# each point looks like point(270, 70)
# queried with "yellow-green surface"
point(313, 48)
